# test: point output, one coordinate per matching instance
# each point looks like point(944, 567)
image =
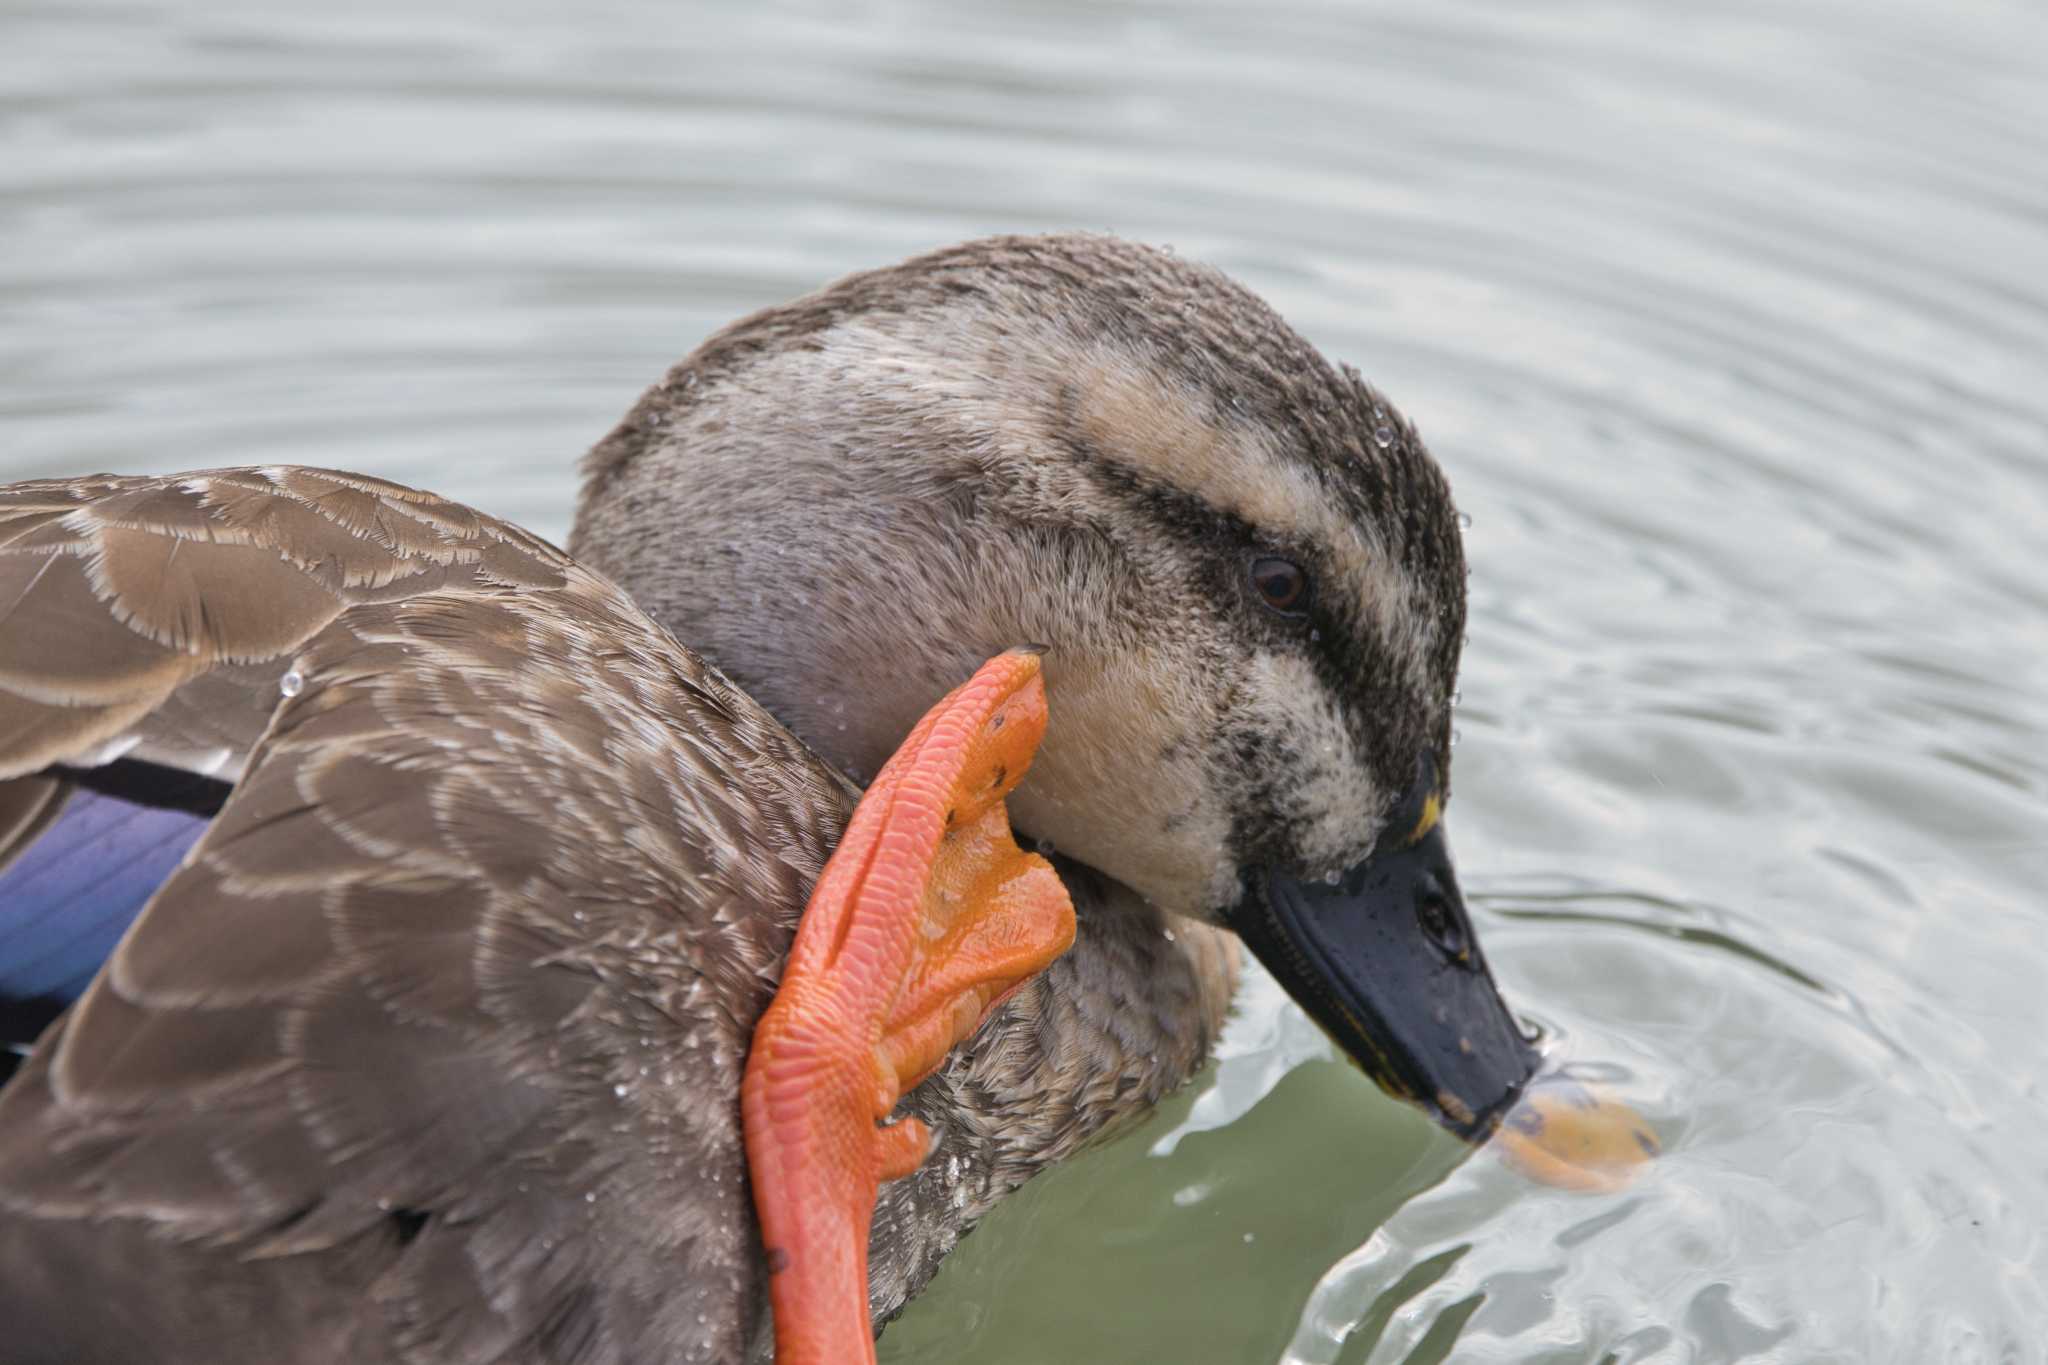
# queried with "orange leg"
point(925, 919)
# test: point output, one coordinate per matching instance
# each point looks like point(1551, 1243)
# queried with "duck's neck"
point(845, 588)
point(1085, 1050)
point(848, 572)
point(803, 568)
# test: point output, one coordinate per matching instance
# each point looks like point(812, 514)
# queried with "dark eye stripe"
point(1351, 655)
point(1281, 584)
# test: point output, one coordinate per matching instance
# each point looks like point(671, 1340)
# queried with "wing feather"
point(444, 1013)
point(156, 614)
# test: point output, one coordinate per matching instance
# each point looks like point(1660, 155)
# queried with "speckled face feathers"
point(1080, 441)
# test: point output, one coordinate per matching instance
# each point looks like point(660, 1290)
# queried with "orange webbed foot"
point(926, 918)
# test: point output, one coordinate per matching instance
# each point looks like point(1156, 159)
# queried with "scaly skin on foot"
point(926, 918)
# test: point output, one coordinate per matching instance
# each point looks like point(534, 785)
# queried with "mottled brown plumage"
point(430, 1051)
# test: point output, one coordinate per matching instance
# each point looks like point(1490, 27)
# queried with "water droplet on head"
point(1464, 521)
point(1457, 696)
point(291, 683)
point(1454, 736)
point(1383, 437)
point(1332, 878)
point(620, 1090)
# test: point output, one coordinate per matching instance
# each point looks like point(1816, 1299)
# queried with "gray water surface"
point(1730, 324)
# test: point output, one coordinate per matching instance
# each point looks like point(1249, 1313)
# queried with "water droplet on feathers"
point(292, 683)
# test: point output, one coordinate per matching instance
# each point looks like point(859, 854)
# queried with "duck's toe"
point(926, 918)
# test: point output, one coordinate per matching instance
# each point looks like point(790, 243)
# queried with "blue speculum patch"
point(66, 901)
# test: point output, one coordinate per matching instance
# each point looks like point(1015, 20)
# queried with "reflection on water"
point(1728, 323)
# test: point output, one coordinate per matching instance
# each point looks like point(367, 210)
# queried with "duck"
point(429, 1044)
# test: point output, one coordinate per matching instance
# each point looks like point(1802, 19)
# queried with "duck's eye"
point(1281, 584)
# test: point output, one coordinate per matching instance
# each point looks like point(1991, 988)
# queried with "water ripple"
point(1727, 323)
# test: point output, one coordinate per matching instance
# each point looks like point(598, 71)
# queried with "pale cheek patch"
point(1158, 826)
point(1328, 795)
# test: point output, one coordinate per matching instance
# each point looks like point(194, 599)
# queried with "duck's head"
point(1245, 567)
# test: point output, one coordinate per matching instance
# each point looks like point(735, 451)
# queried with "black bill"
point(1386, 961)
